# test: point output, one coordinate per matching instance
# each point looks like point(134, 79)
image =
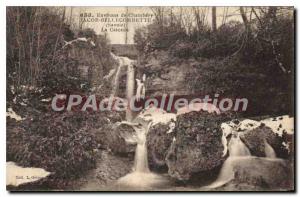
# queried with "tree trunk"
point(58, 36)
point(70, 18)
point(244, 17)
point(126, 23)
point(214, 18)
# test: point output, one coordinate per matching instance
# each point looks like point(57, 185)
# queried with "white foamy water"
point(141, 178)
point(269, 151)
point(141, 160)
point(237, 150)
point(278, 125)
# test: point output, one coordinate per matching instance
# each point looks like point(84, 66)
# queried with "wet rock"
point(112, 138)
point(197, 145)
point(262, 173)
point(158, 142)
point(254, 140)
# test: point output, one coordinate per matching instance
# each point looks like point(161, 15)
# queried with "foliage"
point(87, 33)
point(59, 143)
point(252, 59)
point(233, 79)
point(156, 37)
point(40, 64)
point(37, 51)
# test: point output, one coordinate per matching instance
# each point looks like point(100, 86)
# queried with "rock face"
point(254, 140)
point(169, 75)
point(109, 136)
point(158, 143)
point(197, 145)
point(117, 141)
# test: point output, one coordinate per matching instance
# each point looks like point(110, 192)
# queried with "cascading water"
point(117, 73)
point(141, 160)
point(269, 151)
point(141, 178)
point(130, 82)
point(237, 150)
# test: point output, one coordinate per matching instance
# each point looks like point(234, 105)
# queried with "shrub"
point(182, 49)
point(59, 143)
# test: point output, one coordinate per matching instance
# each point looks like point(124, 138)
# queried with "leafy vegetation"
point(252, 58)
point(44, 59)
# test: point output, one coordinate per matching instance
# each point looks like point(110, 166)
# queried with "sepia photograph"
point(158, 98)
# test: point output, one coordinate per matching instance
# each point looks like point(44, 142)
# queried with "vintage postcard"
point(150, 98)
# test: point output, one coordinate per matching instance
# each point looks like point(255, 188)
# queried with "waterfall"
point(141, 157)
point(124, 62)
point(269, 151)
point(141, 178)
point(117, 74)
point(237, 147)
point(237, 150)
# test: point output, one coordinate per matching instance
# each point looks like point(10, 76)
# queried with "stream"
point(140, 176)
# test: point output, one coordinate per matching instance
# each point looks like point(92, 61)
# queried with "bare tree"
point(80, 19)
point(58, 35)
point(71, 14)
point(244, 17)
point(159, 17)
point(126, 21)
point(214, 18)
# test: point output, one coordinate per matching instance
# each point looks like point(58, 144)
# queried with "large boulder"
point(111, 137)
point(197, 144)
point(160, 133)
point(159, 140)
point(255, 140)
